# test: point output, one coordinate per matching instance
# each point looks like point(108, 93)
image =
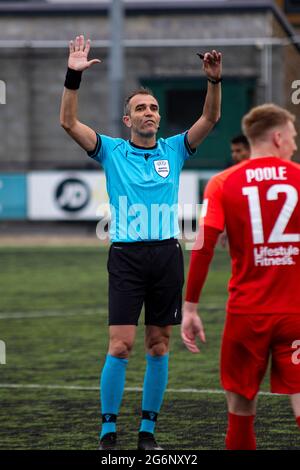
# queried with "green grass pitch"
point(53, 320)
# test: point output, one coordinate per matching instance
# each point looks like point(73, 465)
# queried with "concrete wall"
point(29, 124)
point(289, 69)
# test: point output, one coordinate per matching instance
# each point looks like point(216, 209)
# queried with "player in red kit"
point(258, 201)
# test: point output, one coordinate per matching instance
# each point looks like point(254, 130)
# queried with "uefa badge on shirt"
point(162, 167)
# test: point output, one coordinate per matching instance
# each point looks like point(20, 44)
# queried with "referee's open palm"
point(79, 51)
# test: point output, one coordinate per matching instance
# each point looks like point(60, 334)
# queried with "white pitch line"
point(127, 389)
point(55, 313)
point(71, 313)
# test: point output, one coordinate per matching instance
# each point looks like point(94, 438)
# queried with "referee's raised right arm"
point(77, 63)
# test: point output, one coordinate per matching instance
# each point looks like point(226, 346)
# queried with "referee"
point(145, 262)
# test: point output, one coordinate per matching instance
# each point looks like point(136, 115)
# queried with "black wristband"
point(73, 79)
point(214, 81)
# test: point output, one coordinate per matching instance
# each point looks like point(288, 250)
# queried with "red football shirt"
point(258, 201)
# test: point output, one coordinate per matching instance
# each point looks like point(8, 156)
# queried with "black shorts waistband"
point(168, 241)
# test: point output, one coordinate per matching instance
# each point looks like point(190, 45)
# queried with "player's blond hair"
point(263, 118)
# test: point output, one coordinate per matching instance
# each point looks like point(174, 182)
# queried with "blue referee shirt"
point(142, 184)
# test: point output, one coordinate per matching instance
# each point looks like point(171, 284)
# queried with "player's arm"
point(202, 253)
point(77, 63)
point(212, 66)
point(212, 223)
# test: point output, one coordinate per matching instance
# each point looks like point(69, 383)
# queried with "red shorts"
point(248, 343)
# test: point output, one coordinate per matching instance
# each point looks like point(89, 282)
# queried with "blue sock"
point(155, 383)
point(111, 387)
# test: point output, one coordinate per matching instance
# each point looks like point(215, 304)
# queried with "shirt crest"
point(162, 167)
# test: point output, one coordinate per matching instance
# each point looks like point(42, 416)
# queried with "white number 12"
point(286, 212)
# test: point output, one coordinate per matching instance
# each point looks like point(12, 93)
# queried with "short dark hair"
point(240, 139)
point(139, 91)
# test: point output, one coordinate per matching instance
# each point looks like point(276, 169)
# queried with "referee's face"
point(143, 118)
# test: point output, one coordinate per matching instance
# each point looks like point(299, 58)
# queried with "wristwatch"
point(214, 81)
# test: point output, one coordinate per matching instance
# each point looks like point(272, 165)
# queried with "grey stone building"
point(160, 42)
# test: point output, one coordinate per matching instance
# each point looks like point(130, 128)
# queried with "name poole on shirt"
point(266, 174)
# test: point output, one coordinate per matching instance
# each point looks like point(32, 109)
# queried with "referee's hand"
point(191, 327)
point(212, 64)
point(79, 51)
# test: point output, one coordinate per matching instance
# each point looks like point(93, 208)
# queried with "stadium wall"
point(78, 195)
point(34, 75)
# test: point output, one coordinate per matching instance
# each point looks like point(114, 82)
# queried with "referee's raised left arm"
point(77, 63)
point(212, 65)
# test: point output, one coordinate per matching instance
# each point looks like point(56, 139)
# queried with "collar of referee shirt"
point(143, 148)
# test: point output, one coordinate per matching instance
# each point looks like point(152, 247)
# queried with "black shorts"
point(149, 273)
